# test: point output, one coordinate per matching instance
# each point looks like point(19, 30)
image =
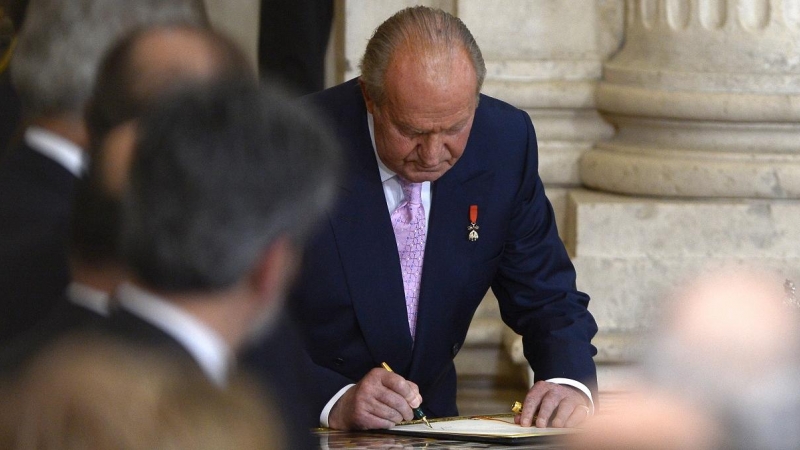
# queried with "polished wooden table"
point(329, 439)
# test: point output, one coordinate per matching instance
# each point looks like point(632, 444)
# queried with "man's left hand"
point(554, 404)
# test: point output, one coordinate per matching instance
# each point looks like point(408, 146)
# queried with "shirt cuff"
point(326, 411)
point(577, 385)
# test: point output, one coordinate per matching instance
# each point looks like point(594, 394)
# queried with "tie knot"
point(412, 192)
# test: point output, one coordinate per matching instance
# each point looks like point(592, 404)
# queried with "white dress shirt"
point(88, 297)
point(207, 347)
point(61, 150)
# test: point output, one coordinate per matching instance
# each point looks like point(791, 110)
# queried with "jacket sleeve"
point(535, 285)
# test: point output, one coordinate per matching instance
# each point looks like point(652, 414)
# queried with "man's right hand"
point(381, 399)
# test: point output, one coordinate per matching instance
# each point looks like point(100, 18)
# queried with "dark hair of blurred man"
point(11, 16)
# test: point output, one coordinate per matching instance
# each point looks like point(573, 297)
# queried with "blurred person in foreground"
point(141, 67)
point(442, 200)
point(86, 392)
point(55, 61)
point(225, 184)
point(12, 14)
point(721, 372)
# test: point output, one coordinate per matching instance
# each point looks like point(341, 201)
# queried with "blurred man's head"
point(150, 61)
point(736, 315)
point(721, 372)
point(731, 344)
point(140, 69)
point(225, 185)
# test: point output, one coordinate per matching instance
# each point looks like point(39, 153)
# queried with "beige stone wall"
point(238, 19)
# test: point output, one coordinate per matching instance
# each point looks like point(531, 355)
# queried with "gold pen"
point(418, 414)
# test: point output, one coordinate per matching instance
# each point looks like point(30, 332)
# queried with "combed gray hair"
point(424, 28)
point(62, 41)
point(219, 174)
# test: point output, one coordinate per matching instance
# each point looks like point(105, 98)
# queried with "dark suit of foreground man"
point(431, 125)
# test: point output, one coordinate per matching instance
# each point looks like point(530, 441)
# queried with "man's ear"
point(367, 99)
point(117, 148)
point(275, 270)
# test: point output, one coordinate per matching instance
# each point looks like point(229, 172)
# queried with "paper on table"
point(496, 426)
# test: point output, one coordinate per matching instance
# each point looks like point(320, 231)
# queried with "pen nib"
point(425, 419)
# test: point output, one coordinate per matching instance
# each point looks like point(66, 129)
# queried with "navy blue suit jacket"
point(350, 302)
point(35, 208)
point(66, 318)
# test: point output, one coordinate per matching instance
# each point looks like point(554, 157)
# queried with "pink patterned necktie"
point(408, 221)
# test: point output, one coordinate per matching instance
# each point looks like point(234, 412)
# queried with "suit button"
point(456, 348)
point(338, 361)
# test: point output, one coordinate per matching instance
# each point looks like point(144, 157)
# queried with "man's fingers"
point(566, 414)
point(356, 411)
point(550, 404)
point(578, 416)
point(380, 400)
point(554, 405)
point(406, 389)
point(532, 401)
point(388, 407)
point(561, 415)
point(415, 399)
point(392, 400)
point(396, 392)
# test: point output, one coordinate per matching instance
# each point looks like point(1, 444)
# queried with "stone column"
point(705, 97)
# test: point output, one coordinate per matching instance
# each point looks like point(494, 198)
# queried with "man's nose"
point(432, 148)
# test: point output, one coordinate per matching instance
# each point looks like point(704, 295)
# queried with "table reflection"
point(356, 440)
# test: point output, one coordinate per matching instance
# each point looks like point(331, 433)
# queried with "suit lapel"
point(369, 257)
point(448, 254)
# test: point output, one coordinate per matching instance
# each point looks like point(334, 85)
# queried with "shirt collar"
point(204, 344)
point(88, 297)
point(61, 150)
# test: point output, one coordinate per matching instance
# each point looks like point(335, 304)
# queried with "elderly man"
point(57, 55)
point(442, 200)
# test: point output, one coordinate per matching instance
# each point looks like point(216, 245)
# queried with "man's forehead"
point(434, 68)
point(418, 89)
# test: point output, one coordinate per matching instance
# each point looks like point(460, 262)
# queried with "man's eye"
point(456, 129)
